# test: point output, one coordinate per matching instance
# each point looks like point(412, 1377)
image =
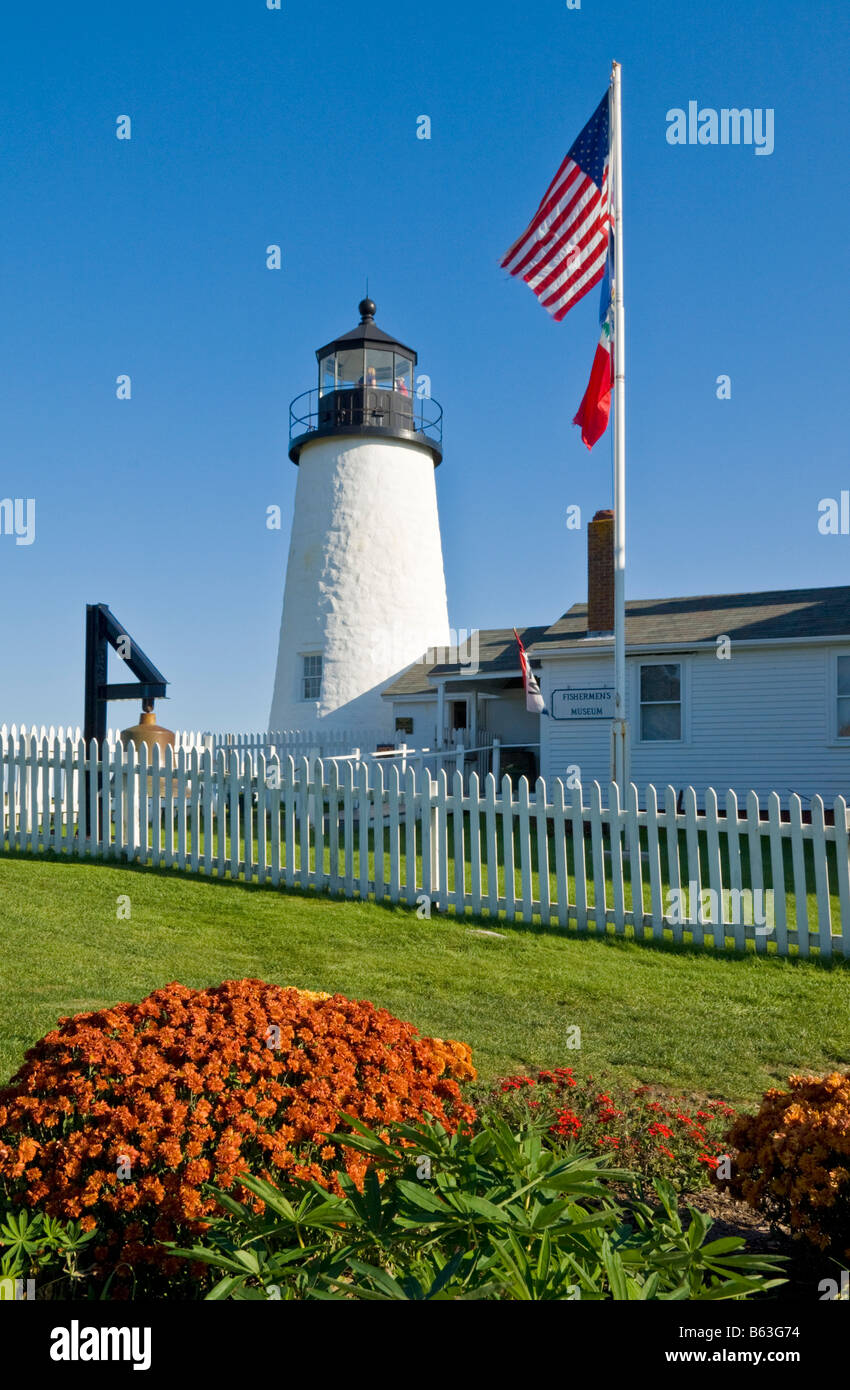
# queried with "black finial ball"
point(367, 309)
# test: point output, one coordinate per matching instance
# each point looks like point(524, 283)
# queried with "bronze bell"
point(148, 732)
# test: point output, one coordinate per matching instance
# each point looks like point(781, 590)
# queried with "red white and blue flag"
point(563, 251)
point(533, 699)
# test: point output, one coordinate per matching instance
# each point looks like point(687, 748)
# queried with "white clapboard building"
point(748, 691)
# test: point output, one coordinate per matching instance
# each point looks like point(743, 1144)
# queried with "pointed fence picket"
point(615, 824)
point(580, 865)
point(559, 828)
point(572, 857)
point(635, 859)
point(412, 843)
point(597, 858)
point(715, 869)
point(842, 872)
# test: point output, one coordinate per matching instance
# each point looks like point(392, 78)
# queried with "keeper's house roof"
point(496, 656)
point(777, 615)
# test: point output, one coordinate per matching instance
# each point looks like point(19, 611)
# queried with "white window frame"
point(832, 737)
point(303, 657)
point(684, 701)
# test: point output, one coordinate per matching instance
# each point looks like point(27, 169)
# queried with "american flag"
point(562, 252)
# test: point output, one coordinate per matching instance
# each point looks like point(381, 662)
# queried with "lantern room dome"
point(366, 385)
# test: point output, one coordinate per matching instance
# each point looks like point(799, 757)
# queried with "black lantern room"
point(367, 385)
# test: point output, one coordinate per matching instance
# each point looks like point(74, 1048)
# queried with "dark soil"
point(805, 1265)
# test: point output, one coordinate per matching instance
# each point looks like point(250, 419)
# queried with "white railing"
point(554, 856)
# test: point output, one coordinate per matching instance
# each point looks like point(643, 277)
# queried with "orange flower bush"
point(793, 1159)
point(120, 1117)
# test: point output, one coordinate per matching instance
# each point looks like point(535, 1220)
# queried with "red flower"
point(567, 1124)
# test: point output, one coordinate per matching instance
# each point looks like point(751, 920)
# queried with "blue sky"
point(298, 127)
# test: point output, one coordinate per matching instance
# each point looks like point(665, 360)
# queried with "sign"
point(583, 702)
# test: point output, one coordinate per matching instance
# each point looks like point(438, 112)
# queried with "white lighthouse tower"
point(365, 590)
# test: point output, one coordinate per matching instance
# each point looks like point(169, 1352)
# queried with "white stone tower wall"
point(365, 585)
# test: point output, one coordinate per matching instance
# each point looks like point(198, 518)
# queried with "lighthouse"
point(365, 592)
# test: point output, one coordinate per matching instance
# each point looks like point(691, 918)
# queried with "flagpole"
point(620, 726)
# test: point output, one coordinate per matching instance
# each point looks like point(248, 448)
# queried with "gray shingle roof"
point(497, 653)
point(774, 614)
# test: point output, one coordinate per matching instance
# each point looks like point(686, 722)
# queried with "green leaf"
point(224, 1288)
point(422, 1197)
point(615, 1271)
point(383, 1281)
point(720, 1247)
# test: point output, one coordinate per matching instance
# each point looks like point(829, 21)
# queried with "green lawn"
point(308, 858)
point(725, 1025)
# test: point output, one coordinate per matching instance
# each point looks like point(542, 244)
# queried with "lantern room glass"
point(327, 375)
point(349, 368)
point(379, 368)
point(403, 375)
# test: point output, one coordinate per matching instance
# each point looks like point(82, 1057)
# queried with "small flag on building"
point(533, 699)
point(595, 407)
point(563, 250)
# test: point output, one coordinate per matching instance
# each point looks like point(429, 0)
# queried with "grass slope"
point(722, 1025)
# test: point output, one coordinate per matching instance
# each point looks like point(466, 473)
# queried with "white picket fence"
point(326, 742)
point(554, 857)
point(356, 744)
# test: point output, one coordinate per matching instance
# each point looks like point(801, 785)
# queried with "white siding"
point(506, 718)
point(424, 716)
point(509, 720)
point(765, 719)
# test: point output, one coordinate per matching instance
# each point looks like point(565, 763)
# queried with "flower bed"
point(120, 1117)
point(659, 1137)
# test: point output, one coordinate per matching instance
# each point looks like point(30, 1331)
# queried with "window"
point(349, 368)
point(312, 678)
point(844, 697)
point(403, 375)
point(660, 703)
point(379, 369)
point(404, 725)
point(327, 375)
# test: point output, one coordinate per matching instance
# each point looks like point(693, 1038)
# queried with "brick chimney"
point(600, 574)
